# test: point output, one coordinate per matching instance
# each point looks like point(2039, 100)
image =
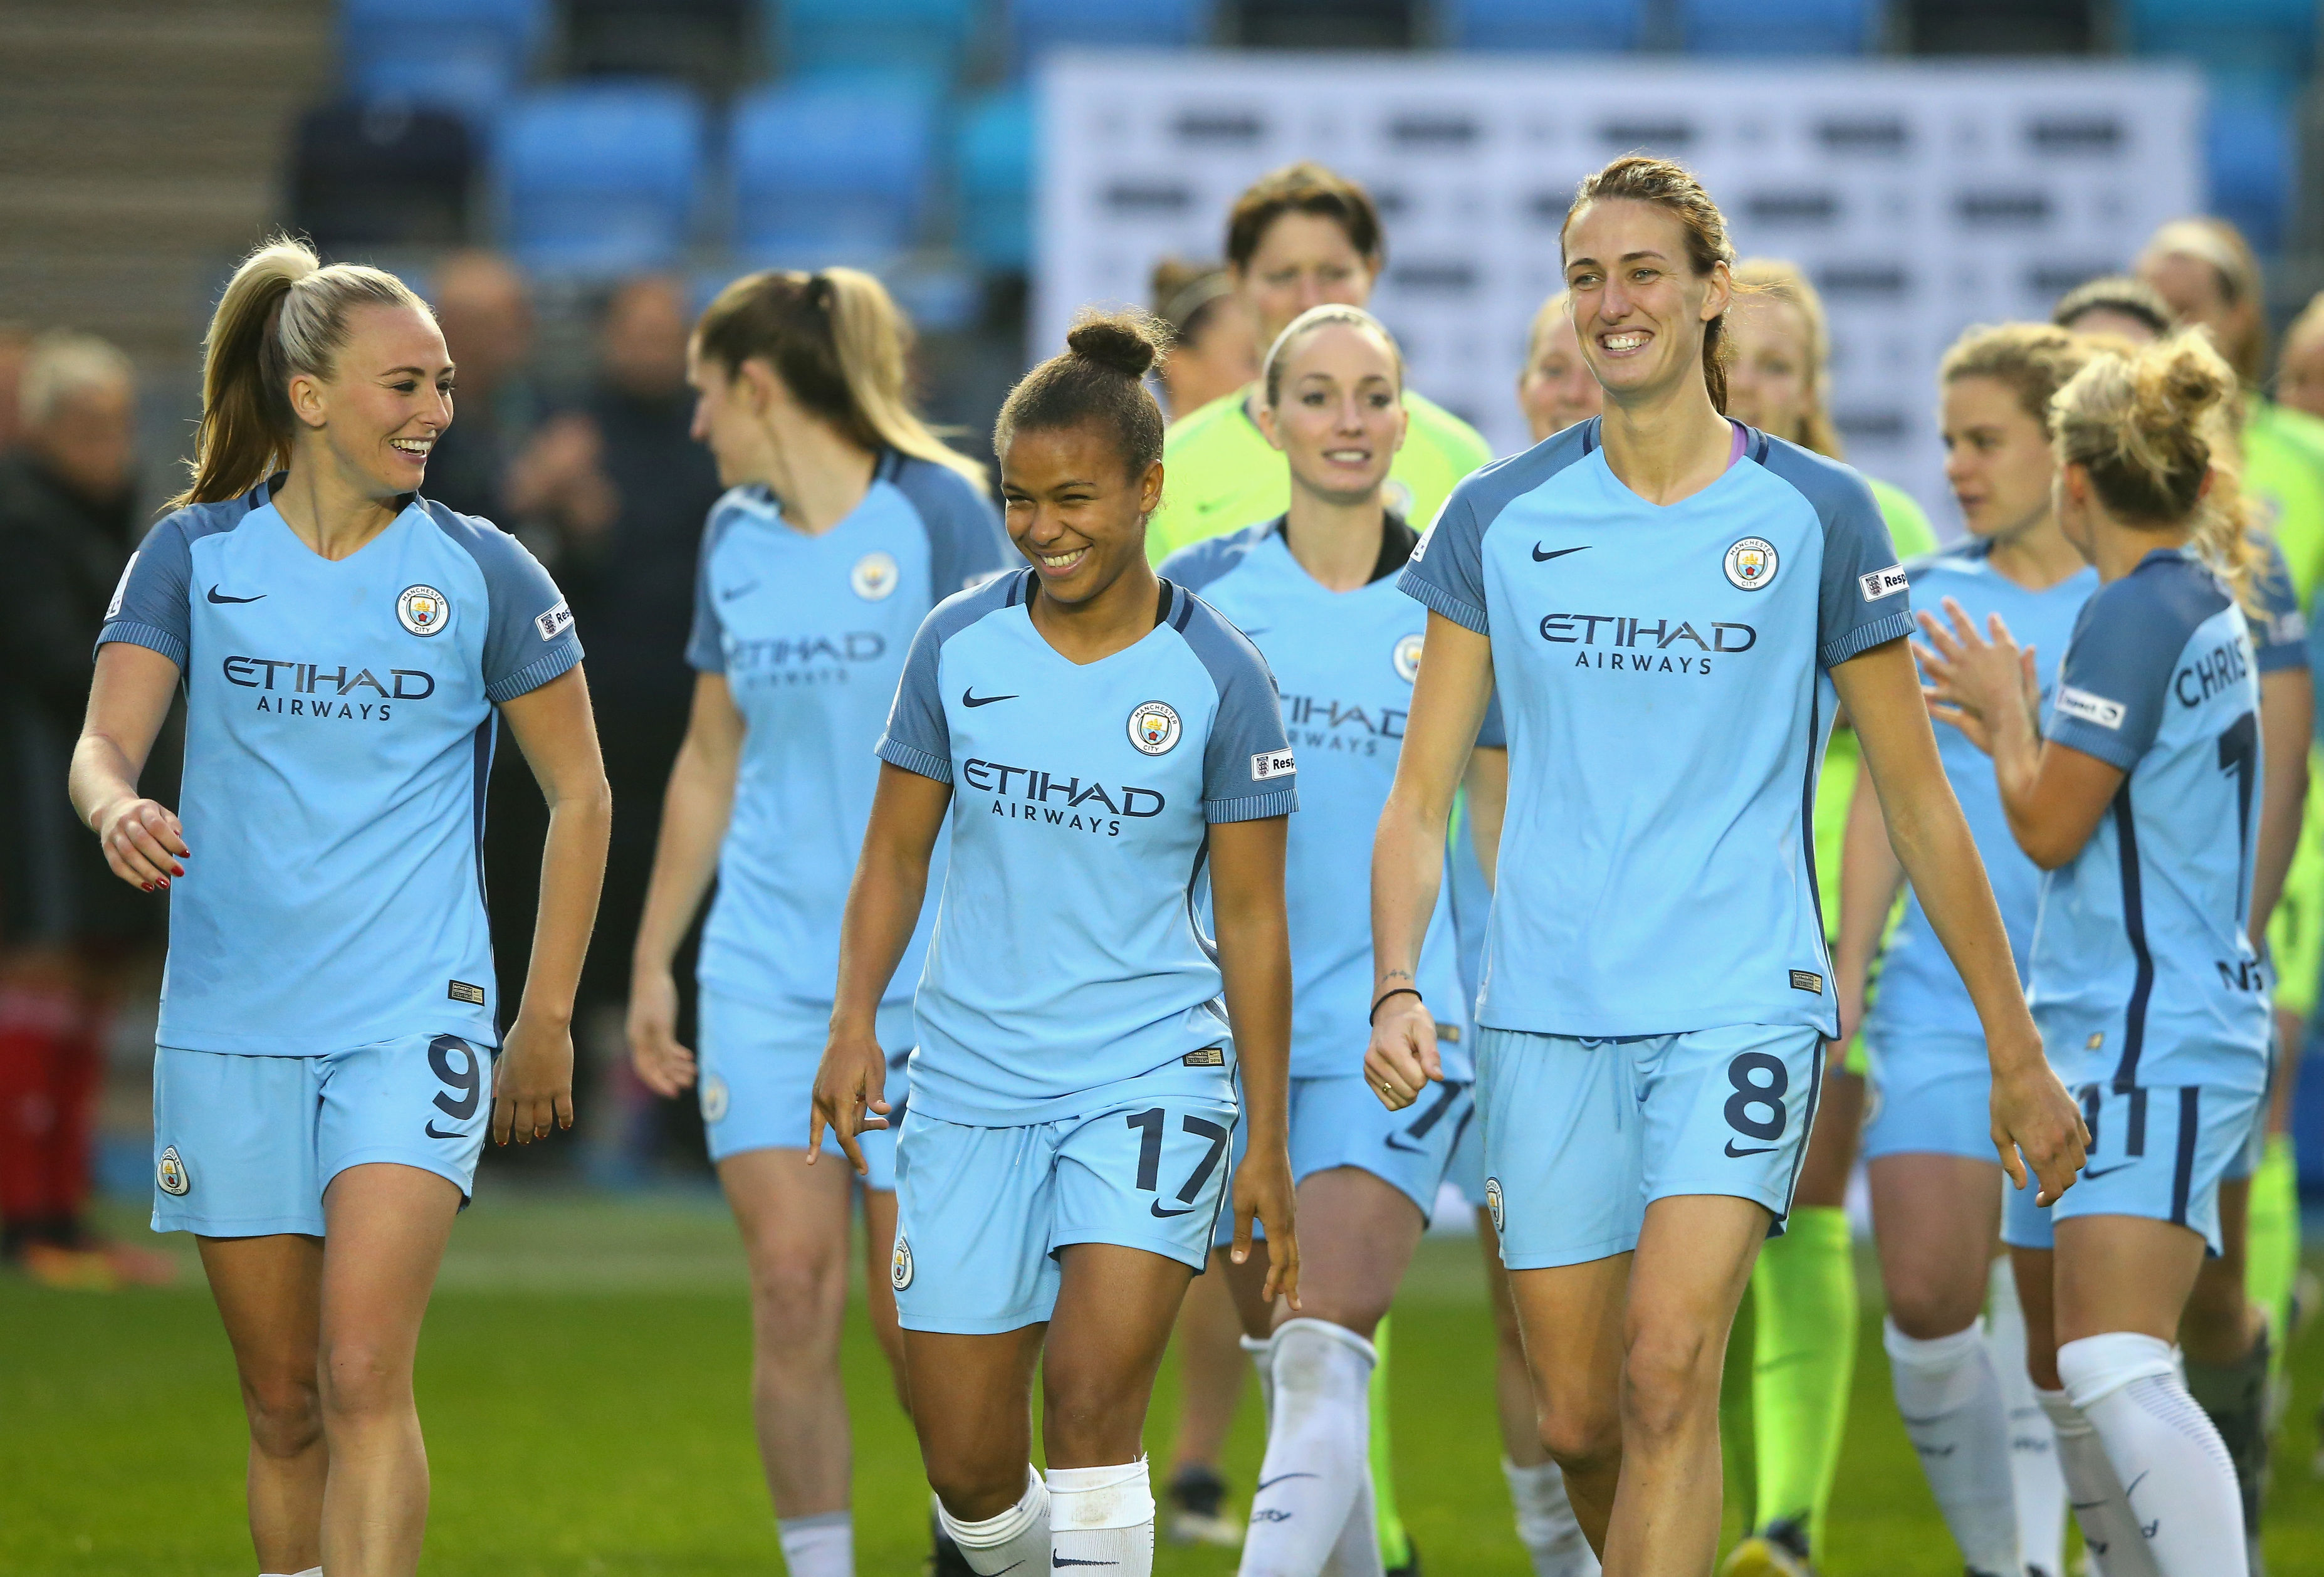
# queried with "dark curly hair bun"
point(1128, 342)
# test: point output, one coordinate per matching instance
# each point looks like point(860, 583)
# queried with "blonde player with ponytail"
point(330, 1056)
point(845, 522)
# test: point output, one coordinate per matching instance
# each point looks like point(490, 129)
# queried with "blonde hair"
point(1771, 278)
point(2146, 423)
point(843, 348)
point(2034, 359)
point(61, 365)
point(1270, 373)
point(283, 316)
point(2214, 241)
point(1559, 303)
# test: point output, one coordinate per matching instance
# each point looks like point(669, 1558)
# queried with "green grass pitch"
point(582, 1381)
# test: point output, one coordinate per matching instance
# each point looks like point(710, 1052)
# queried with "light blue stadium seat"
point(1546, 25)
point(600, 180)
point(1779, 27)
point(929, 35)
point(1036, 26)
point(476, 88)
point(466, 55)
point(994, 163)
point(2274, 37)
point(833, 169)
point(2248, 147)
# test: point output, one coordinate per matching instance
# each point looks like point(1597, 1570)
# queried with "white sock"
point(2166, 1452)
point(822, 1546)
point(1260, 1350)
point(1357, 1554)
point(1102, 1516)
point(1318, 1443)
point(2110, 1534)
point(2040, 1487)
point(1018, 1537)
point(1546, 1524)
point(1951, 1401)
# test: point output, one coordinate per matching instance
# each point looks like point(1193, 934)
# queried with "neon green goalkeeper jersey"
point(1220, 473)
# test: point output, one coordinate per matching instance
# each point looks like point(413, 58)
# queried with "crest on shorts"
point(874, 575)
point(1493, 1200)
point(1407, 658)
point(1751, 564)
point(169, 1175)
point(899, 1264)
point(423, 610)
point(1154, 727)
point(714, 1099)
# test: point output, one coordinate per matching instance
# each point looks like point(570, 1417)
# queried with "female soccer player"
point(1665, 602)
point(1213, 348)
point(329, 1027)
point(1313, 588)
point(1299, 237)
point(1101, 739)
point(1803, 1288)
point(1556, 389)
point(2140, 805)
point(846, 521)
point(1936, 1190)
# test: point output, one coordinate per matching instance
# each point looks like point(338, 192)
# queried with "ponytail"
point(842, 348)
point(283, 316)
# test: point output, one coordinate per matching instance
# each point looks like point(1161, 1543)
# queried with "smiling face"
point(1997, 458)
point(1339, 417)
point(1302, 261)
point(1771, 382)
point(1072, 509)
point(1639, 309)
point(1558, 388)
point(387, 399)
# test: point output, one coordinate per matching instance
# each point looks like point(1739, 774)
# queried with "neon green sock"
point(1396, 1548)
point(2272, 1258)
point(1803, 1358)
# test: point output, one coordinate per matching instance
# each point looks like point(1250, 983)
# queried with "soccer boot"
point(1780, 1549)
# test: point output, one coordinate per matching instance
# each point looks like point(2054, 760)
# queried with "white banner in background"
point(1921, 197)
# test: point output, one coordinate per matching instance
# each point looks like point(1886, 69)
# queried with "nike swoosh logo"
point(216, 597)
point(1407, 1149)
point(1762, 1151)
point(969, 697)
point(436, 1132)
point(728, 593)
point(1165, 1214)
point(1266, 1484)
point(2090, 1172)
point(1541, 557)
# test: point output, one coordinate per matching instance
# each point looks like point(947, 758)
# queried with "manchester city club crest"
point(899, 1264)
point(714, 1099)
point(874, 575)
point(423, 610)
point(1493, 1200)
point(1407, 659)
point(169, 1175)
point(1751, 564)
point(1154, 727)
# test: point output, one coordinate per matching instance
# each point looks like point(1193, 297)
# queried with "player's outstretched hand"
point(1974, 681)
point(662, 1065)
point(143, 842)
point(850, 1095)
point(2035, 1118)
point(1263, 1190)
point(532, 1083)
point(1402, 1059)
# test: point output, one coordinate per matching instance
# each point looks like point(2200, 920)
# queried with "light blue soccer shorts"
point(2158, 1151)
point(1581, 1136)
point(981, 1211)
point(2245, 1162)
point(244, 1146)
point(756, 1080)
point(1466, 1169)
point(1929, 1094)
point(1339, 1121)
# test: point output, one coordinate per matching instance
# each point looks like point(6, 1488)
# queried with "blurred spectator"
point(68, 519)
point(1556, 389)
point(481, 305)
point(2117, 305)
point(1216, 350)
point(2299, 365)
point(15, 343)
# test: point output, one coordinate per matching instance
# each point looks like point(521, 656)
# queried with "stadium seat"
point(384, 174)
point(1780, 27)
point(476, 87)
point(600, 180)
point(832, 169)
point(994, 162)
point(706, 42)
point(1546, 25)
point(465, 54)
point(1039, 25)
point(2276, 37)
point(2248, 145)
point(929, 35)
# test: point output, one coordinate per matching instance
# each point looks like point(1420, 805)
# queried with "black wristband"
point(1373, 1018)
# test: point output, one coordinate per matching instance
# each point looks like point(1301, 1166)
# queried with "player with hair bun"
point(1097, 739)
point(330, 1056)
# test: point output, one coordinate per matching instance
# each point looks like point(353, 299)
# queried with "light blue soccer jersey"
point(1661, 671)
point(1921, 992)
point(2280, 632)
point(2142, 973)
point(1069, 955)
point(811, 633)
point(1343, 663)
point(339, 729)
